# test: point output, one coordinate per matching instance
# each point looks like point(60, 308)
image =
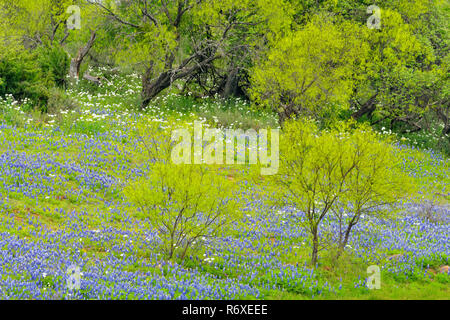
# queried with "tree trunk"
point(367, 108)
point(75, 64)
point(345, 242)
point(315, 249)
point(231, 84)
point(446, 129)
point(183, 255)
point(151, 88)
point(443, 116)
point(95, 80)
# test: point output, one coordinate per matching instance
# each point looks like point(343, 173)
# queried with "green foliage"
point(199, 42)
point(373, 179)
point(341, 168)
point(32, 76)
point(311, 71)
point(34, 22)
point(312, 58)
point(55, 63)
point(21, 77)
point(186, 204)
point(59, 101)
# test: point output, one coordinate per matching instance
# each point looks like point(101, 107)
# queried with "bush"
point(59, 101)
point(21, 76)
point(55, 63)
point(185, 203)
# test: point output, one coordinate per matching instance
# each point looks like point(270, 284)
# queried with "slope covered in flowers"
point(62, 205)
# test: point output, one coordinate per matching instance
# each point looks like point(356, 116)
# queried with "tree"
point(311, 71)
point(405, 80)
point(185, 203)
point(21, 76)
point(323, 170)
point(41, 26)
point(406, 76)
point(75, 63)
point(307, 176)
point(375, 182)
point(37, 22)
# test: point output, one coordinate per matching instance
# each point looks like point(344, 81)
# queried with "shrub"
point(346, 170)
point(55, 63)
point(185, 203)
point(20, 76)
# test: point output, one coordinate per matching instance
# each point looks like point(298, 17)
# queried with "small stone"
point(431, 271)
point(395, 257)
point(444, 269)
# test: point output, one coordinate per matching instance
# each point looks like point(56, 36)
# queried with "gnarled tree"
point(193, 40)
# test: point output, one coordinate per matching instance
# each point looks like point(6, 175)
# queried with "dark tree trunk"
point(367, 108)
point(231, 84)
point(446, 129)
point(315, 249)
point(445, 119)
point(75, 64)
point(287, 110)
point(152, 87)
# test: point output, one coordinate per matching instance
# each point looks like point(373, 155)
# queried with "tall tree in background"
point(311, 71)
point(36, 22)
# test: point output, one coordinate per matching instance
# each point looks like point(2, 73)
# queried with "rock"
point(431, 271)
point(395, 257)
point(96, 80)
point(444, 269)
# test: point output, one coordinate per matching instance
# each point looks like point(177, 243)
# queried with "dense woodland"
point(316, 58)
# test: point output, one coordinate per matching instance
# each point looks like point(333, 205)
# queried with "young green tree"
point(185, 203)
point(374, 184)
point(322, 170)
point(308, 174)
